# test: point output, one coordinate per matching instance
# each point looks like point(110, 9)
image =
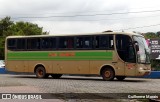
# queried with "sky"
point(85, 16)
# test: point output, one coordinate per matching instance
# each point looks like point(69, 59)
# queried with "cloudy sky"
point(85, 16)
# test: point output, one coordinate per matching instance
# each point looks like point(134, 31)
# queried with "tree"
point(150, 35)
point(158, 33)
point(8, 28)
point(24, 28)
point(5, 24)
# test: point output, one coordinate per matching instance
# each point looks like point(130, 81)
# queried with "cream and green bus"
point(108, 54)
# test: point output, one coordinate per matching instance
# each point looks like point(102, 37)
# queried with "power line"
point(86, 11)
point(100, 14)
point(138, 27)
point(125, 18)
point(109, 18)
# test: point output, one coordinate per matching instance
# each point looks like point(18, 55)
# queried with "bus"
point(107, 54)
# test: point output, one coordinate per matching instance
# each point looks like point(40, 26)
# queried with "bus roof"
point(98, 33)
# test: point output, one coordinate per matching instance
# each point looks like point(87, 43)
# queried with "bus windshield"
point(143, 53)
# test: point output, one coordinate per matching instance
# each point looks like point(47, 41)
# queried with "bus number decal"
point(63, 54)
point(67, 54)
point(52, 54)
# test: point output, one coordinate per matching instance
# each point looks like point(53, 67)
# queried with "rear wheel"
point(41, 72)
point(120, 78)
point(56, 76)
point(108, 74)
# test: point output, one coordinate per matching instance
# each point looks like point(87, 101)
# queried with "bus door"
point(126, 53)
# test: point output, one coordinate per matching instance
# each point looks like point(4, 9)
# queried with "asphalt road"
point(91, 86)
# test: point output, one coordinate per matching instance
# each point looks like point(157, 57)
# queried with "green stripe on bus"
point(46, 53)
point(64, 59)
point(59, 56)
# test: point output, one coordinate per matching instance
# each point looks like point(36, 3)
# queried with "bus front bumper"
point(144, 72)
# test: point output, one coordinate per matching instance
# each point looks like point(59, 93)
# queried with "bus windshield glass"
point(143, 53)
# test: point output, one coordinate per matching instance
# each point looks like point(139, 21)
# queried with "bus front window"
point(125, 48)
point(143, 53)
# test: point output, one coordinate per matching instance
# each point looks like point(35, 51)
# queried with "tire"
point(120, 78)
point(41, 72)
point(56, 76)
point(108, 74)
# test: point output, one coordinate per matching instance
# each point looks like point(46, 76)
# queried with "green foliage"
point(158, 34)
point(25, 28)
point(8, 28)
point(5, 24)
point(150, 35)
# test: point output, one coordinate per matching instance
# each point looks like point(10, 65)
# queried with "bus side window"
point(125, 48)
point(66, 42)
point(87, 42)
point(84, 42)
point(53, 43)
point(62, 42)
point(70, 42)
point(33, 44)
point(111, 42)
point(104, 42)
point(45, 43)
point(11, 43)
point(79, 42)
point(96, 42)
point(21, 44)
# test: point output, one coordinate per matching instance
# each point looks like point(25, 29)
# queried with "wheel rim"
point(40, 73)
point(107, 74)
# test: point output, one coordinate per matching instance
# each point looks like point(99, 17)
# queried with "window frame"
point(31, 49)
point(50, 48)
point(65, 38)
point(125, 48)
point(83, 43)
point(25, 45)
point(90, 38)
point(108, 44)
point(10, 47)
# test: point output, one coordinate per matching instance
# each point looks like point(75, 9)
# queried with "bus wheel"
point(41, 72)
point(108, 74)
point(56, 76)
point(120, 78)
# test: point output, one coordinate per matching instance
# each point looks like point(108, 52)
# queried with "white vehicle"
point(2, 65)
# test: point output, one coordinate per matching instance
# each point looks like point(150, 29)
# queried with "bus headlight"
point(140, 68)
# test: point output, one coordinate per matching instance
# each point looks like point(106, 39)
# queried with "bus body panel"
point(17, 66)
point(71, 61)
point(143, 69)
point(70, 67)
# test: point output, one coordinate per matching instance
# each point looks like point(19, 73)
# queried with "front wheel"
point(108, 74)
point(120, 78)
point(41, 72)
